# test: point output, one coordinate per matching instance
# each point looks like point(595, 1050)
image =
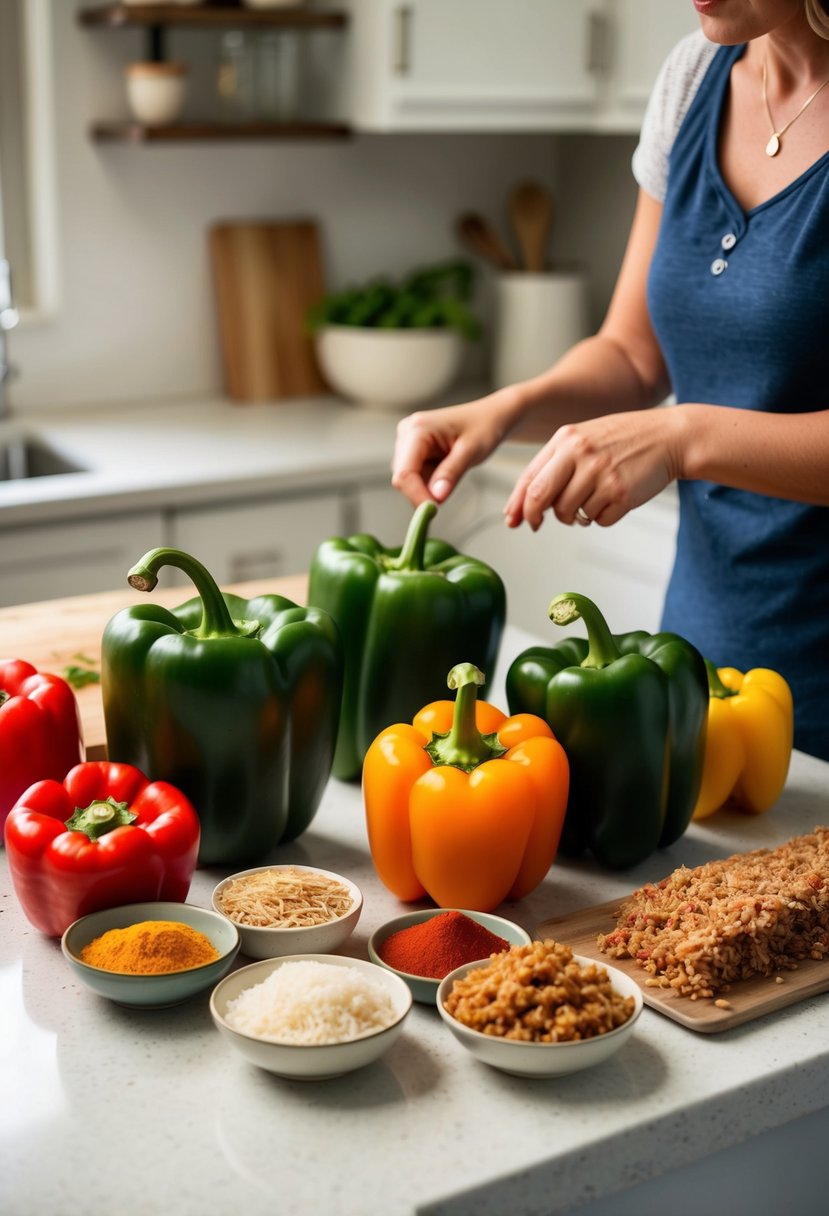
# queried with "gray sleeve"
point(674, 90)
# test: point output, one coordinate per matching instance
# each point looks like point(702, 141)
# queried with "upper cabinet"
point(477, 65)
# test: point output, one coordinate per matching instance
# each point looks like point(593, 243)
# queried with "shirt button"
point(718, 265)
point(728, 241)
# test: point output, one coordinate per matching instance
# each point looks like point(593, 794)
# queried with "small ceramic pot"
point(155, 91)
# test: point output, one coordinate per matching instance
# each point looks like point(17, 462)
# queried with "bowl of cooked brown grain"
point(540, 1010)
point(289, 909)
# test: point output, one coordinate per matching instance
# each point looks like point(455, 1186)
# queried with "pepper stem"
point(716, 688)
point(4, 696)
point(216, 620)
point(412, 555)
point(601, 648)
point(100, 817)
point(464, 746)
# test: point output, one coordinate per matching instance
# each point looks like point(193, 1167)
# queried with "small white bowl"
point(151, 991)
point(273, 942)
point(543, 1059)
point(424, 988)
point(393, 369)
point(316, 1062)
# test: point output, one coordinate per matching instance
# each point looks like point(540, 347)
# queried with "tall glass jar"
point(236, 77)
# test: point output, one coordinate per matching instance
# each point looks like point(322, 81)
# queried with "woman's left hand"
point(600, 469)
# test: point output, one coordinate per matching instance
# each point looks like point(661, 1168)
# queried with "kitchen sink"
point(22, 457)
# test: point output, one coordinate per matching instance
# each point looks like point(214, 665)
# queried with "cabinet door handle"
point(402, 38)
point(598, 43)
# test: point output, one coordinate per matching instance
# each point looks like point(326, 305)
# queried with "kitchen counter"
point(115, 1111)
point(186, 452)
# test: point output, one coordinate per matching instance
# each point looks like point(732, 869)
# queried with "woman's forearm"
point(781, 455)
point(596, 377)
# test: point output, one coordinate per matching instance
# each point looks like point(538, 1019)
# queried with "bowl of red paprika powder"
point(423, 947)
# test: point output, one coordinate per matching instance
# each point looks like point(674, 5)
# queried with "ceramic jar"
point(155, 91)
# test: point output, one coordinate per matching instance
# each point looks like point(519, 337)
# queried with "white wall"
point(137, 318)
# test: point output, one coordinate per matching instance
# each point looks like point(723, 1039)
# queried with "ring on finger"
point(583, 518)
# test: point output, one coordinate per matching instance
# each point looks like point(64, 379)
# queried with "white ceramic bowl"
point(310, 1063)
point(151, 991)
point(424, 989)
point(314, 939)
point(394, 369)
point(543, 1059)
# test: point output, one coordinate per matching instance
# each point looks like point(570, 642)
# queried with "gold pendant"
point(773, 146)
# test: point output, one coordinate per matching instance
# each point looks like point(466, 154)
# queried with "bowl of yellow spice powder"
point(152, 954)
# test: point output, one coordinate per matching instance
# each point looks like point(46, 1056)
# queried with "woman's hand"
point(600, 469)
point(434, 448)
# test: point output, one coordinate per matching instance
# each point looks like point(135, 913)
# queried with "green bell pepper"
point(406, 616)
point(234, 702)
point(630, 711)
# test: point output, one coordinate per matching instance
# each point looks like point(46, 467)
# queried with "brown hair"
point(817, 15)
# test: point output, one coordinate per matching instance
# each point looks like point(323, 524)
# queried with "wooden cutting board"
point(51, 634)
point(267, 274)
point(749, 999)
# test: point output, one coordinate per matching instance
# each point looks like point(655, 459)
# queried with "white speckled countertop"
point(113, 1112)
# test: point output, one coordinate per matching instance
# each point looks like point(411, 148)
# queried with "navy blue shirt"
point(738, 301)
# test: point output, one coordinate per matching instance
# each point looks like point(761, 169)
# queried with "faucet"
point(8, 319)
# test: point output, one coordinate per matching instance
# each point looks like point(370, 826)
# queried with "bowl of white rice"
point(311, 1016)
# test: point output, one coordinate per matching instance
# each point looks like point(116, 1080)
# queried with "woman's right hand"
point(434, 448)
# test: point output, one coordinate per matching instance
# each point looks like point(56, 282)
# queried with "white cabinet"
point(641, 35)
point(385, 513)
point(624, 569)
point(47, 561)
point(258, 539)
point(467, 65)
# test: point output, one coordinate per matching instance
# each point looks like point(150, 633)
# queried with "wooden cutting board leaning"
point(267, 273)
point(748, 999)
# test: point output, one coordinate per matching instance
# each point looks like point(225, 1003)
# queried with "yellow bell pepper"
point(749, 740)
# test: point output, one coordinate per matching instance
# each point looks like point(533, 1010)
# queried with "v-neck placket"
point(738, 219)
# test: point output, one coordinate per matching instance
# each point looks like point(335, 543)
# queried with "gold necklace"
point(773, 146)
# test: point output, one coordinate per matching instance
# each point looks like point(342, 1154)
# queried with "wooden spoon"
point(479, 235)
point(531, 215)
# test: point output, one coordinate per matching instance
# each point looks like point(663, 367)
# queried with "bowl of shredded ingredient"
point(311, 1016)
point(150, 954)
point(423, 947)
point(540, 1010)
point(289, 909)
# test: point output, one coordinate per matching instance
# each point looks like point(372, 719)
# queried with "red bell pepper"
point(40, 730)
point(105, 836)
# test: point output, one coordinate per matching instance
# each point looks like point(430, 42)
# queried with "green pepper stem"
point(464, 746)
point(216, 620)
point(601, 648)
point(100, 817)
point(413, 554)
point(716, 688)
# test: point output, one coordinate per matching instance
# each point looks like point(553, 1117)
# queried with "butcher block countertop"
point(134, 1113)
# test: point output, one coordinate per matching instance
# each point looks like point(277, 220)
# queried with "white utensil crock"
point(538, 318)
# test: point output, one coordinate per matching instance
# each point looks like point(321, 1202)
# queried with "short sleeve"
point(674, 90)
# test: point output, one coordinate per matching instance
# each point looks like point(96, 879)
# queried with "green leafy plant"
point(432, 297)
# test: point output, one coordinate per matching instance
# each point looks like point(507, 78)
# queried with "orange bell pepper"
point(748, 743)
point(465, 805)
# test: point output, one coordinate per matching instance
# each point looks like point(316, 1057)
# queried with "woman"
point(722, 300)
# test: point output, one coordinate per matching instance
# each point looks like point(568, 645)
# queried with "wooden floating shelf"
point(180, 132)
point(208, 16)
